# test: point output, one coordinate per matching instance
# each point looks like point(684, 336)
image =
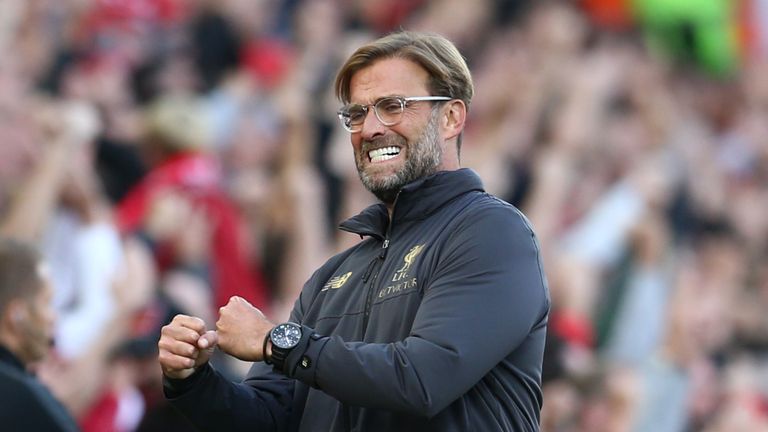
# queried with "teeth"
point(383, 154)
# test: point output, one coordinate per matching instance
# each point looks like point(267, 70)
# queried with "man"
point(26, 328)
point(434, 322)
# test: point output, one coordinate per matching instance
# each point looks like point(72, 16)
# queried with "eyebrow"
point(377, 99)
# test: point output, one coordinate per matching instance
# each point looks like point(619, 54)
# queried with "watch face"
point(286, 335)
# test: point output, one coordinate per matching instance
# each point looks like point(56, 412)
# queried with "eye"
point(389, 105)
point(355, 114)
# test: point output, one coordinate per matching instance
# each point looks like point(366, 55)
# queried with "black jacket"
point(433, 322)
point(25, 404)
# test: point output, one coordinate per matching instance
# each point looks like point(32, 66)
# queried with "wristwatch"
point(284, 338)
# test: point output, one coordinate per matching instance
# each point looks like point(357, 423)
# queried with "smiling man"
point(434, 322)
point(388, 161)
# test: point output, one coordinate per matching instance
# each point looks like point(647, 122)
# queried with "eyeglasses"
point(389, 110)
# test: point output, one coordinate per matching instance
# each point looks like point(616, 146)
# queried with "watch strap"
point(282, 359)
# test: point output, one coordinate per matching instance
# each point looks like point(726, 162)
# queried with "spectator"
point(26, 333)
point(183, 178)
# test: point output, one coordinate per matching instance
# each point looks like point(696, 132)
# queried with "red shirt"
point(198, 178)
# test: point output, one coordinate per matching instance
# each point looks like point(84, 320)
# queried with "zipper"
point(372, 272)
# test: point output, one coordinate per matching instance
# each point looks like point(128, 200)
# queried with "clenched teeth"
point(384, 153)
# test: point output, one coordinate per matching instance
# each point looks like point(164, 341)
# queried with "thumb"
point(207, 343)
point(208, 340)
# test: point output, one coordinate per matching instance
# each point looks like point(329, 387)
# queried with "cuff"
point(173, 388)
point(301, 363)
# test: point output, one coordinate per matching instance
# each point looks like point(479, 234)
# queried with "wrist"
point(282, 340)
point(266, 349)
point(180, 374)
point(176, 386)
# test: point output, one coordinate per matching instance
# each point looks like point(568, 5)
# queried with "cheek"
point(406, 133)
point(357, 145)
point(356, 142)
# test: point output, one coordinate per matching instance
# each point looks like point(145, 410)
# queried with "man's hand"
point(184, 346)
point(241, 329)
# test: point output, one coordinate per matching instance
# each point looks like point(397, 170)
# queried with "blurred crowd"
point(167, 154)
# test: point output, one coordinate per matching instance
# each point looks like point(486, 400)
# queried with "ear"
point(16, 313)
point(454, 118)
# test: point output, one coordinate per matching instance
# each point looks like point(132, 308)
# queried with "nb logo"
point(336, 282)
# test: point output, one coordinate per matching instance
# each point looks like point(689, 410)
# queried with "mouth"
point(383, 154)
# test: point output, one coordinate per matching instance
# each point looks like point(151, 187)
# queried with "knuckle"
point(178, 318)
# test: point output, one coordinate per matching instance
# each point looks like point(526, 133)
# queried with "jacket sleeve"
point(212, 402)
point(487, 293)
point(264, 401)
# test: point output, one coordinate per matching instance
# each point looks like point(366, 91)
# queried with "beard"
point(423, 158)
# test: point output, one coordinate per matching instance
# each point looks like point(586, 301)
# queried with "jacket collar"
point(8, 358)
point(416, 200)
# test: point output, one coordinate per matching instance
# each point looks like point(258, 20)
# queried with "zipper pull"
point(384, 247)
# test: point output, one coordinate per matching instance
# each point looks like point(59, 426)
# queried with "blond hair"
point(447, 69)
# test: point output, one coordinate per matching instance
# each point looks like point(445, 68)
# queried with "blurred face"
point(36, 325)
point(390, 157)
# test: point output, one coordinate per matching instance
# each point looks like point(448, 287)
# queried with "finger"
point(209, 340)
point(180, 333)
point(238, 300)
point(190, 322)
point(176, 347)
point(173, 362)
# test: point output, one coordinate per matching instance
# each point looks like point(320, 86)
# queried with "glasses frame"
point(343, 113)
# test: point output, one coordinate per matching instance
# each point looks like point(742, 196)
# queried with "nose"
point(372, 127)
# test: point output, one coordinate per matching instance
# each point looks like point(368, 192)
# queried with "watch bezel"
point(277, 328)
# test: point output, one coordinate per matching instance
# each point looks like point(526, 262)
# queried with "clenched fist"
point(241, 329)
point(184, 346)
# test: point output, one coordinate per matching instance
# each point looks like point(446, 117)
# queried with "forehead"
point(388, 77)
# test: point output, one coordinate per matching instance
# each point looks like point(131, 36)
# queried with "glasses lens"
point(355, 115)
point(352, 117)
point(390, 110)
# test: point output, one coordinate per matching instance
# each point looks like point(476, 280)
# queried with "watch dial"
point(286, 336)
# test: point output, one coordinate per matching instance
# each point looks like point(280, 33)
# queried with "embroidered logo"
point(402, 273)
point(337, 281)
point(402, 280)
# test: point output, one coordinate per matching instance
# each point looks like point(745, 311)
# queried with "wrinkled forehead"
point(388, 77)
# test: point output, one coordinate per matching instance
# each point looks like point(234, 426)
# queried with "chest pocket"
point(336, 307)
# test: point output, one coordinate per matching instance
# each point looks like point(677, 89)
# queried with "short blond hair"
point(447, 69)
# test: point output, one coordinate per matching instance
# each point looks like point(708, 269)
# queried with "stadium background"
point(166, 154)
